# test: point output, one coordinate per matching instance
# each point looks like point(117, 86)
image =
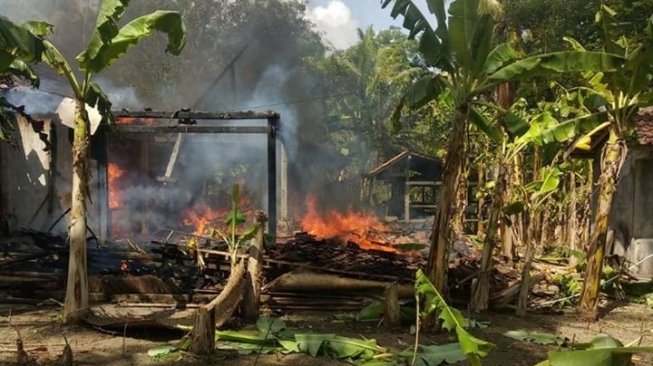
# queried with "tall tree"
point(22, 45)
point(362, 86)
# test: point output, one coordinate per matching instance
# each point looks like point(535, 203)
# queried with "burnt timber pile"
point(162, 282)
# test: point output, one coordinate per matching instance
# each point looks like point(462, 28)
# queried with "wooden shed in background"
point(413, 183)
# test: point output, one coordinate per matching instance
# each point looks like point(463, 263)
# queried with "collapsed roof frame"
point(182, 122)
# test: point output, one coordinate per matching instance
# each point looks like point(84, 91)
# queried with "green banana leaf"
point(535, 337)
point(436, 355)
point(106, 27)
point(435, 45)
point(479, 120)
point(602, 350)
point(103, 51)
point(242, 336)
point(18, 42)
point(473, 348)
point(559, 62)
point(499, 56)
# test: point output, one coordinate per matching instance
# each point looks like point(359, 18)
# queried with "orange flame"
point(135, 121)
point(115, 173)
point(363, 229)
point(201, 217)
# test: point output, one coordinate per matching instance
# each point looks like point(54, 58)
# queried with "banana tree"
point(623, 93)
point(512, 135)
point(535, 196)
point(21, 45)
point(462, 60)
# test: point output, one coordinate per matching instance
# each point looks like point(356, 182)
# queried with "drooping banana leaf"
point(106, 28)
point(499, 56)
point(19, 42)
point(477, 118)
point(100, 56)
point(473, 348)
point(40, 29)
point(544, 129)
point(19, 68)
point(433, 44)
point(559, 62)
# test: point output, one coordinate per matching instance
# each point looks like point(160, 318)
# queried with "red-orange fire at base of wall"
point(363, 229)
point(202, 218)
point(114, 172)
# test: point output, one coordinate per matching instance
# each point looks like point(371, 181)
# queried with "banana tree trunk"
point(481, 292)
point(524, 287)
point(480, 223)
point(448, 209)
point(610, 166)
point(572, 217)
point(76, 303)
point(508, 229)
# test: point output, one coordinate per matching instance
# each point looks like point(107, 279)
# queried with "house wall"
point(632, 211)
point(25, 179)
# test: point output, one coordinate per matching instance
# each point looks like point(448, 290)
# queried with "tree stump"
point(392, 316)
point(203, 338)
point(252, 296)
point(217, 312)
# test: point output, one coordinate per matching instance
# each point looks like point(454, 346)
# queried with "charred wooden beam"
point(241, 115)
point(273, 125)
point(191, 129)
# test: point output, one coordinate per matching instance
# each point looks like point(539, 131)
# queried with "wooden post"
point(145, 167)
point(252, 297)
point(101, 144)
point(407, 191)
point(272, 176)
point(283, 183)
point(407, 202)
point(392, 312)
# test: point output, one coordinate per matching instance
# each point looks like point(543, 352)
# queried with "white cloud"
point(336, 23)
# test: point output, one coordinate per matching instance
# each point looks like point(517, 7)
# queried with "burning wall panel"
point(195, 196)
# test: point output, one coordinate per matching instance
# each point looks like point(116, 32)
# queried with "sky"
point(339, 19)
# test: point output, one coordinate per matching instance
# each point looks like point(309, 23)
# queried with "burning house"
point(154, 171)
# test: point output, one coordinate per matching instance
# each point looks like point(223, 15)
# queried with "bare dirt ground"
point(43, 335)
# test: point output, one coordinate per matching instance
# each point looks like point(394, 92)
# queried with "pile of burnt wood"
point(304, 273)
